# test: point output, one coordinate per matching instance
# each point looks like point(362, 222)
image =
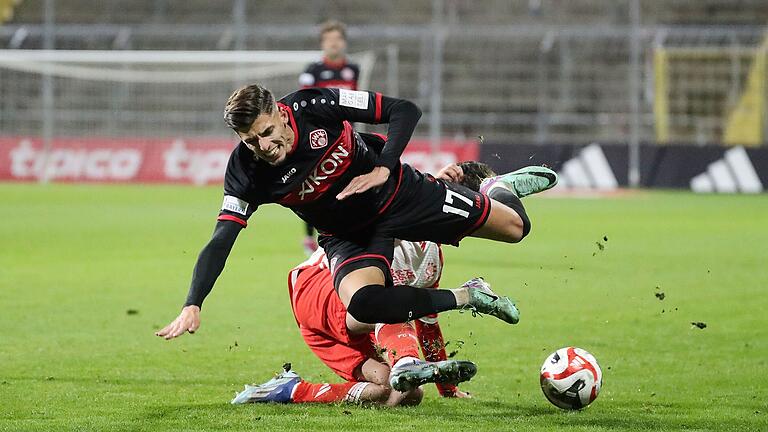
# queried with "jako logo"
point(74, 163)
point(324, 169)
point(289, 174)
point(199, 166)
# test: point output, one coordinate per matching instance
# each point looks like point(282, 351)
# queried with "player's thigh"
point(344, 359)
point(503, 224)
point(357, 261)
point(434, 210)
point(356, 279)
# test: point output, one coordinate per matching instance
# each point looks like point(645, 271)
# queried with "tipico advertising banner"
point(196, 161)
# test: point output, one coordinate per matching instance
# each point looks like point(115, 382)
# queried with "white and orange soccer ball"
point(571, 378)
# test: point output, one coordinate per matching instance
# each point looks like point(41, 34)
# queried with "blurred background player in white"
point(356, 354)
point(333, 70)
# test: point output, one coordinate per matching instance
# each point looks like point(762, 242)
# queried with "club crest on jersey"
point(318, 139)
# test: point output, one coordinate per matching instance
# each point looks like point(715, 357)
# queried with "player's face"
point(333, 44)
point(270, 137)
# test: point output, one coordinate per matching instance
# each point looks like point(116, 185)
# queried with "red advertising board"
point(156, 160)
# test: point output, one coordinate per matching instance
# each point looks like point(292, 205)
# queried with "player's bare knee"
point(377, 394)
point(515, 228)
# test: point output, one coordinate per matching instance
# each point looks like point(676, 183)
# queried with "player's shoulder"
point(242, 168)
point(309, 100)
point(306, 93)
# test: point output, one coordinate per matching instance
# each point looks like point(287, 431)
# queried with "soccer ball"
point(571, 378)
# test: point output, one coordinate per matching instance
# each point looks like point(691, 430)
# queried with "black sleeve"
point(241, 198)
point(367, 107)
point(211, 261)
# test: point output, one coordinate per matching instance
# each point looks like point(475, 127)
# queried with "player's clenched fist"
point(187, 321)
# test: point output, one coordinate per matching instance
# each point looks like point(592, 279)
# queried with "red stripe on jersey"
point(480, 222)
point(287, 109)
point(378, 108)
point(397, 189)
point(386, 204)
point(226, 217)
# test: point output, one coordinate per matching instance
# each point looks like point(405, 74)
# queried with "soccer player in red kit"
point(302, 152)
point(355, 357)
point(334, 70)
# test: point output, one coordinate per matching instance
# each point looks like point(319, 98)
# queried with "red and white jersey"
point(417, 264)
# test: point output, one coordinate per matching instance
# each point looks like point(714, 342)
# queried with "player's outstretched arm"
point(209, 265)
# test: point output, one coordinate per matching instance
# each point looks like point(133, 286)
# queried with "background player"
point(334, 70)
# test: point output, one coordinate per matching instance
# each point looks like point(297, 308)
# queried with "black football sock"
point(511, 200)
point(374, 304)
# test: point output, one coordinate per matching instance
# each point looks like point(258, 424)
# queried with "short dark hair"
point(474, 173)
point(245, 104)
point(333, 25)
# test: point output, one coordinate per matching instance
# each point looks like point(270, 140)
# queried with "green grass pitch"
point(88, 273)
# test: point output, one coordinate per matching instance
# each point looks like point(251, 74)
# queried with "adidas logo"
point(588, 170)
point(733, 173)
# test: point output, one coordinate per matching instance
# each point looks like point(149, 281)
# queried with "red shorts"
point(321, 317)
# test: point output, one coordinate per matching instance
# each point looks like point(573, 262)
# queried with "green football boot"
point(412, 375)
point(523, 182)
point(483, 300)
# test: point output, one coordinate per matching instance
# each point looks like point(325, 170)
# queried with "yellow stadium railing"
point(6, 10)
point(745, 124)
point(710, 94)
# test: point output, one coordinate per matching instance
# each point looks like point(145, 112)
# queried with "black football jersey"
point(327, 74)
point(327, 153)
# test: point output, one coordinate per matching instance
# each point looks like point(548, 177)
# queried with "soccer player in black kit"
point(334, 70)
point(303, 153)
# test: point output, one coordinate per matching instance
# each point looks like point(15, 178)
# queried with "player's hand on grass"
point(462, 395)
point(187, 321)
point(362, 183)
point(452, 173)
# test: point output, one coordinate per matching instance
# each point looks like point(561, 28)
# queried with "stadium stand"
point(519, 70)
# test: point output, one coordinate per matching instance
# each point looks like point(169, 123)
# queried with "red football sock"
point(305, 392)
point(399, 340)
point(433, 347)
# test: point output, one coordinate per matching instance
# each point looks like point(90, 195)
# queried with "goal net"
point(138, 93)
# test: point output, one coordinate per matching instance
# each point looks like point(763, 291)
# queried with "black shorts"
point(422, 209)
